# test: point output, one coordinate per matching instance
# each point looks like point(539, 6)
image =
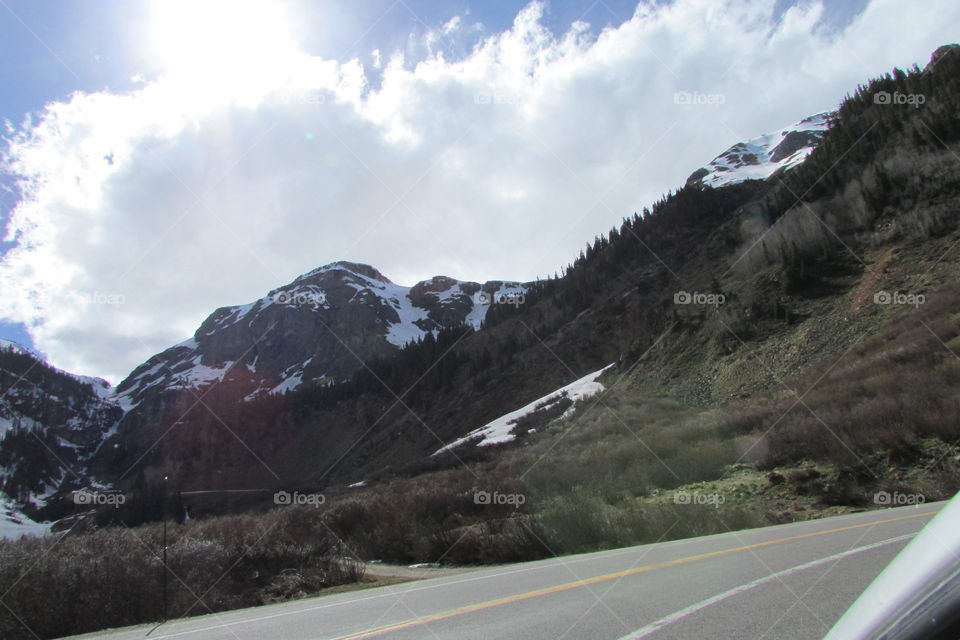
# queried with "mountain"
point(343, 376)
point(764, 156)
point(318, 329)
point(293, 379)
point(51, 424)
point(191, 406)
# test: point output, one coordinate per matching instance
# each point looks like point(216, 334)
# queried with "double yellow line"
point(404, 624)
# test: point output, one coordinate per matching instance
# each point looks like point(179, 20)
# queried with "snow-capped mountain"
point(186, 407)
point(762, 157)
point(51, 423)
point(175, 411)
point(319, 328)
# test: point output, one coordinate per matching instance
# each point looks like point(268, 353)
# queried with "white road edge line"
point(694, 608)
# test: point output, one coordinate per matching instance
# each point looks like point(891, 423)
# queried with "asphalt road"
point(785, 582)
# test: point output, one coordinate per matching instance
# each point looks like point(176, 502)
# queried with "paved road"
point(785, 582)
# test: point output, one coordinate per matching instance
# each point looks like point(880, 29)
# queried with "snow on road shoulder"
point(498, 431)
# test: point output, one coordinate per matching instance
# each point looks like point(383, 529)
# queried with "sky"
point(162, 159)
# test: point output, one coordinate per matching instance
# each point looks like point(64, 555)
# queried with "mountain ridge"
point(316, 331)
point(373, 304)
point(319, 329)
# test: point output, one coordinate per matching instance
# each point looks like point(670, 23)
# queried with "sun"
point(234, 43)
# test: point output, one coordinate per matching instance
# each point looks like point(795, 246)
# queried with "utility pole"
point(163, 516)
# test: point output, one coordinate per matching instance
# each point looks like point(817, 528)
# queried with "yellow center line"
point(396, 626)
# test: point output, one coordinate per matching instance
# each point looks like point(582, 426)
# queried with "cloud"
point(142, 212)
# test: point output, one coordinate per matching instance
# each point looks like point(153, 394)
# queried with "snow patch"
point(479, 311)
point(289, 384)
point(753, 159)
point(7, 345)
point(406, 329)
point(498, 431)
point(14, 524)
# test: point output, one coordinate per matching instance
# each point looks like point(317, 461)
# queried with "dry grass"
point(883, 397)
point(114, 577)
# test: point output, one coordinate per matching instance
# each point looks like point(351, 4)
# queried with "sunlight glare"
point(240, 45)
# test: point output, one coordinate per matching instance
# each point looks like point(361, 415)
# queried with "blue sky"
point(55, 47)
point(179, 179)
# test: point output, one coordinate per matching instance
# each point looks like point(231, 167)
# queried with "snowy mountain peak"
point(344, 266)
point(762, 157)
point(101, 387)
point(8, 345)
point(319, 329)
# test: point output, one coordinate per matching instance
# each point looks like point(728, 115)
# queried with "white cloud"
point(452, 25)
point(144, 211)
